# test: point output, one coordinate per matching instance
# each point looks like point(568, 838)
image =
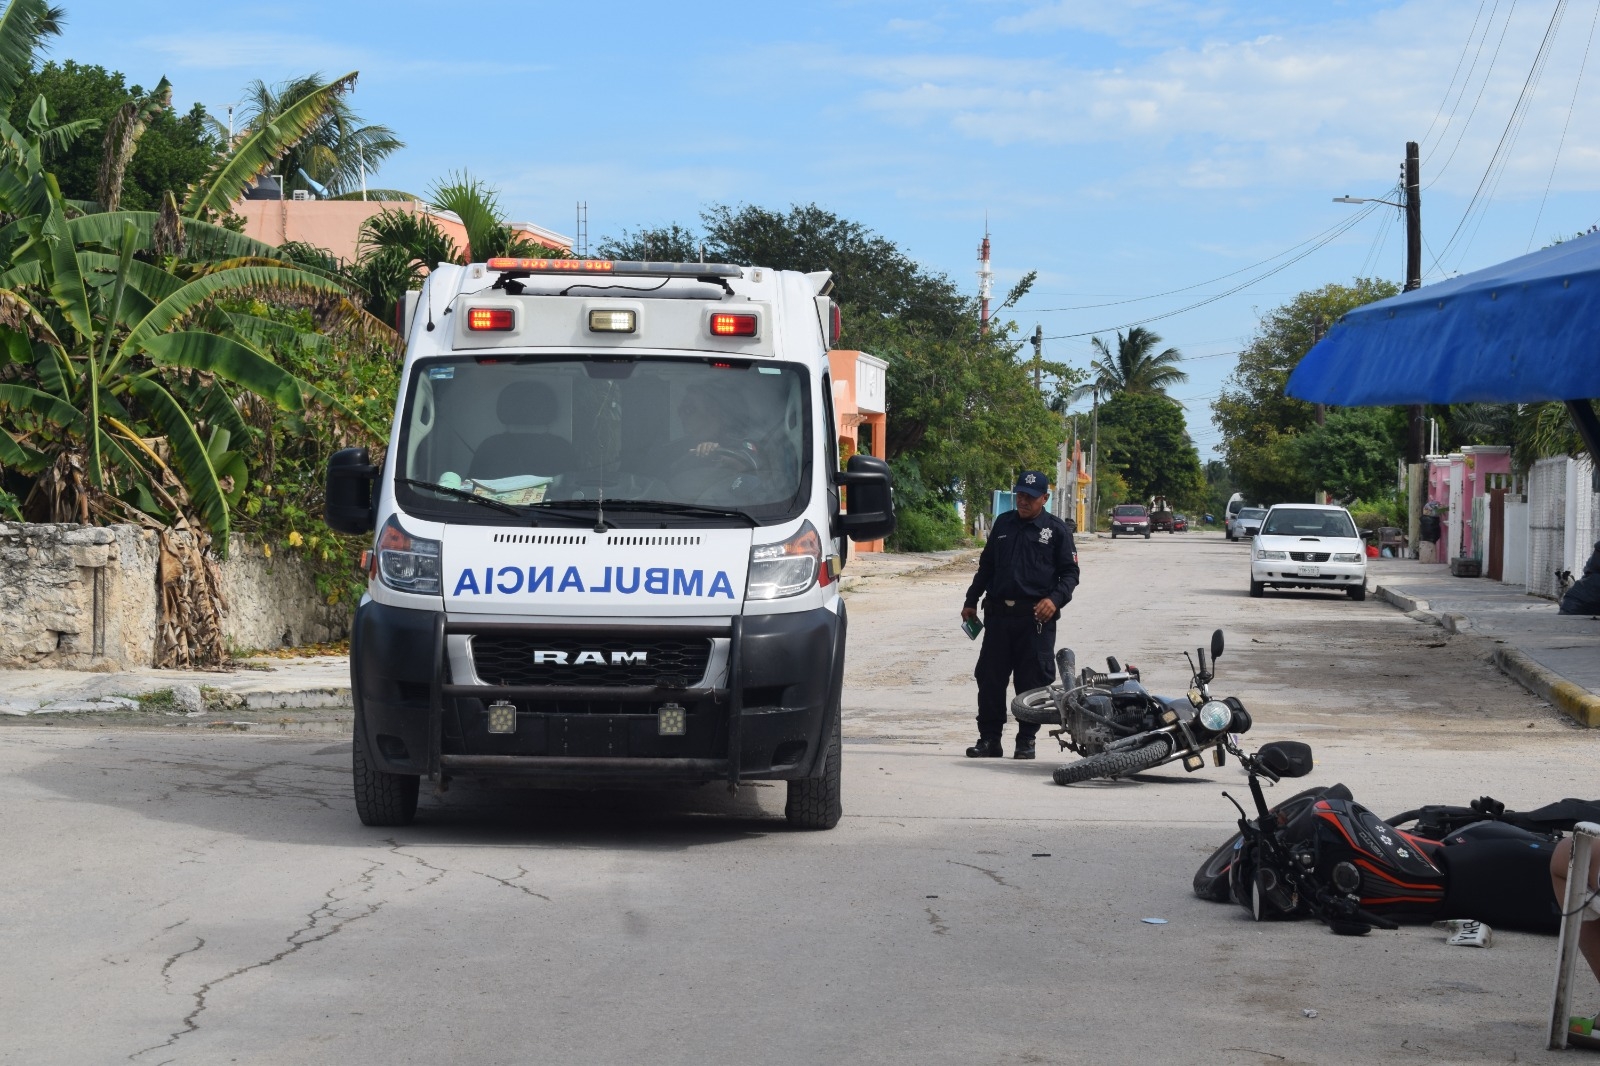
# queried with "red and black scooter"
point(1321, 854)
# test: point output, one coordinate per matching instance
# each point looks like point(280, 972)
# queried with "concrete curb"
point(1576, 702)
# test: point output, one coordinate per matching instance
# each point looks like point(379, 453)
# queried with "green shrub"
point(925, 519)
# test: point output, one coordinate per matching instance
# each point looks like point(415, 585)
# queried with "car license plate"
point(1311, 571)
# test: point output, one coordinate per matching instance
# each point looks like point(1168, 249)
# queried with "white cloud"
point(1339, 99)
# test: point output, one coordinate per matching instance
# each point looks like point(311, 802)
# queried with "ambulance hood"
point(579, 573)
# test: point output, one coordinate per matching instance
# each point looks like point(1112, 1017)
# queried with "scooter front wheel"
point(1037, 705)
point(1114, 763)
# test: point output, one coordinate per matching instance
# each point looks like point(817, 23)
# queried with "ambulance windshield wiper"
point(462, 494)
point(663, 506)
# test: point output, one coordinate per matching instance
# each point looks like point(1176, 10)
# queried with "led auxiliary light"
point(613, 321)
point(502, 717)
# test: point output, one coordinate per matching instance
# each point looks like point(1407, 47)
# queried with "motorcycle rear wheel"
point(1114, 763)
point(1037, 705)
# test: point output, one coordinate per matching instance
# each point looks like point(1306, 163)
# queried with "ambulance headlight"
point(407, 563)
point(788, 567)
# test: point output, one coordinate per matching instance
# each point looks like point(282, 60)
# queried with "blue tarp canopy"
point(1522, 331)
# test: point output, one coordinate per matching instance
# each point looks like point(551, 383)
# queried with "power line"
point(1512, 10)
point(1459, 60)
point(1508, 136)
point(1340, 227)
point(1331, 234)
point(1562, 142)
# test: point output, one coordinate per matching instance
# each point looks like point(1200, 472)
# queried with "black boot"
point(1024, 748)
point(985, 748)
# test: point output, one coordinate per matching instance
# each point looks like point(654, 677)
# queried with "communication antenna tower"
point(580, 243)
point(985, 276)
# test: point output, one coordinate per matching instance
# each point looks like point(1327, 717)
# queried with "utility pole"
point(1038, 357)
point(1415, 468)
point(1413, 202)
point(1094, 462)
point(1317, 329)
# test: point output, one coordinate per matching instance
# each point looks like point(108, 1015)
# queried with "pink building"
point(336, 224)
point(1456, 485)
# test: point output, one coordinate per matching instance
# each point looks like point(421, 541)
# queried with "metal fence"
point(1547, 525)
point(1585, 511)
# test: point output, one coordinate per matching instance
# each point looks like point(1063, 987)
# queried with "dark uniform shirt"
point(1026, 561)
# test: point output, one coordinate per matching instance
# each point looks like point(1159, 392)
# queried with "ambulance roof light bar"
point(512, 267)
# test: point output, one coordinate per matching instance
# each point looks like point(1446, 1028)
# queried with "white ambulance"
point(609, 530)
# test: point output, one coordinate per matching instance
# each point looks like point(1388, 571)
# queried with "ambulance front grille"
point(670, 662)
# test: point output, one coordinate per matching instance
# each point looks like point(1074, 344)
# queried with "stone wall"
point(85, 598)
point(273, 601)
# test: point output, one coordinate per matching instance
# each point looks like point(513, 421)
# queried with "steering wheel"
point(738, 458)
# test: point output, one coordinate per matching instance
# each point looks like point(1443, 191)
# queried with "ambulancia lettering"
point(542, 657)
point(626, 580)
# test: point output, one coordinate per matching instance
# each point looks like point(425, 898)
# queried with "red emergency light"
point(733, 325)
point(491, 319)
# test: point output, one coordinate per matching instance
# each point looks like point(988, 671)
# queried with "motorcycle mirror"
point(1286, 758)
point(1216, 645)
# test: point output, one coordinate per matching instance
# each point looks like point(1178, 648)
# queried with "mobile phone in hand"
point(972, 626)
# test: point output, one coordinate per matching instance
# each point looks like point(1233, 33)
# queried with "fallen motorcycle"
point(1119, 728)
point(1320, 854)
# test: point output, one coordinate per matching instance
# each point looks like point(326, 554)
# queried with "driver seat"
point(526, 409)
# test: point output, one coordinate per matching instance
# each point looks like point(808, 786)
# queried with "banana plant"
point(120, 372)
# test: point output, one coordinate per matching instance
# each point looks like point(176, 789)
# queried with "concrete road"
point(182, 897)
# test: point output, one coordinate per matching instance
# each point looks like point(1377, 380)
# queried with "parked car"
point(1130, 518)
point(1234, 506)
point(1247, 523)
point(1180, 524)
point(1312, 546)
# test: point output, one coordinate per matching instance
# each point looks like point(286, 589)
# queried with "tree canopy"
point(1143, 436)
point(960, 404)
point(1259, 423)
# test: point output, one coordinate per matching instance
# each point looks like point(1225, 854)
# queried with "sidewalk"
point(257, 685)
point(1555, 656)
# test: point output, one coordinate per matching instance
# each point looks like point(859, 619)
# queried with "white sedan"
point(1312, 546)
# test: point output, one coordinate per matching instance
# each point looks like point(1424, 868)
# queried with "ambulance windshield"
point(538, 432)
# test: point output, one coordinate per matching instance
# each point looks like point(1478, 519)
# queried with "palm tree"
point(335, 150)
point(1135, 367)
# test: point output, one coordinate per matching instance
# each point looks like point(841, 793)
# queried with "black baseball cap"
point(1032, 483)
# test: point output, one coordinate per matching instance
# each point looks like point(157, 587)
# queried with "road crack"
point(315, 930)
point(511, 882)
point(398, 848)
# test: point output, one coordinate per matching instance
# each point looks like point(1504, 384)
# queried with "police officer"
point(1026, 574)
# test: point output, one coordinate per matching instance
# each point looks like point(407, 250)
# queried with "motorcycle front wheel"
point(1114, 763)
point(1037, 705)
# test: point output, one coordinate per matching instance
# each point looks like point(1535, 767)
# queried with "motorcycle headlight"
point(788, 567)
point(407, 563)
point(1215, 716)
point(1262, 553)
point(1347, 557)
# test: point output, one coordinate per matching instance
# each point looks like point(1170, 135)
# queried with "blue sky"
point(1122, 149)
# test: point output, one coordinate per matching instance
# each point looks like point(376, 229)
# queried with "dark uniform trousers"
point(1014, 645)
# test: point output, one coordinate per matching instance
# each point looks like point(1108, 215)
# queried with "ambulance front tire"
point(382, 798)
point(814, 802)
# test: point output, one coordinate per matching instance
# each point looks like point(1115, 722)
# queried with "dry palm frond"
point(18, 314)
point(126, 126)
point(192, 604)
point(169, 235)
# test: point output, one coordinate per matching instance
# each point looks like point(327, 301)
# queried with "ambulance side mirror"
point(348, 504)
point(869, 498)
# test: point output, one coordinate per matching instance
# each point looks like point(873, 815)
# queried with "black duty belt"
point(998, 606)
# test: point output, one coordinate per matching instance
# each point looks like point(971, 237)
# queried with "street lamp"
point(1366, 200)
